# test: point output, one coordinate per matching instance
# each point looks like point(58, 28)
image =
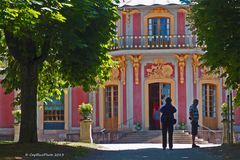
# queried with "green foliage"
point(78, 34)
point(85, 110)
point(224, 107)
point(53, 44)
point(182, 125)
point(138, 126)
point(216, 23)
point(236, 99)
point(17, 115)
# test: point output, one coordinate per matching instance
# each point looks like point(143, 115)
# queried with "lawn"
point(43, 150)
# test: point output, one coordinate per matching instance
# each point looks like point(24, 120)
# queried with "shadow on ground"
point(227, 152)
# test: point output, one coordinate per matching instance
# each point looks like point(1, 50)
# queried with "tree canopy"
point(51, 44)
point(216, 23)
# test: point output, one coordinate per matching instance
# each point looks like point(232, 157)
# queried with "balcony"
point(154, 42)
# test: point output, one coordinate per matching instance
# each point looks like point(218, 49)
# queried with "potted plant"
point(138, 126)
point(224, 107)
point(17, 122)
point(85, 111)
point(182, 125)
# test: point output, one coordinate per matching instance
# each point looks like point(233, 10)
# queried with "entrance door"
point(158, 92)
point(209, 108)
point(111, 107)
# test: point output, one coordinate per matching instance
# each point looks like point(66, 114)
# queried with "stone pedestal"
point(225, 137)
point(16, 132)
point(86, 131)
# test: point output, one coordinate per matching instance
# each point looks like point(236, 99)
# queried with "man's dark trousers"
point(167, 128)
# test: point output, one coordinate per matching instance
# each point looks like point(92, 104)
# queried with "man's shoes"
point(164, 148)
point(195, 146)
point(170, 149)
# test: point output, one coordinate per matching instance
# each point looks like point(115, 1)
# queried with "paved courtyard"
point(151, 152)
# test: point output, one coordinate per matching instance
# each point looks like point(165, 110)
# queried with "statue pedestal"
point(86, 131)
point(225, 129)
point(16, 132)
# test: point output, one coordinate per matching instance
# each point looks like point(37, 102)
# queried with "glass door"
point(209, 106)
point(111, 107)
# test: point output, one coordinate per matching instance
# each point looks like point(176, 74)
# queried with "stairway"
point(155, 136)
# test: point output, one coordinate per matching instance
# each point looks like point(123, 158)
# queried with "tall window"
point(209, 100)
point(159, 30)
point(164, 27)
point(111, 101)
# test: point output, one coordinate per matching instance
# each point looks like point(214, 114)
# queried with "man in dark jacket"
point(168, 121)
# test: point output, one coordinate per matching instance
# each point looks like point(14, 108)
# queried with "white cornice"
point(151, 52)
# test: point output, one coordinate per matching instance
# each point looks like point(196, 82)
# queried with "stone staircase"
point(155, 136)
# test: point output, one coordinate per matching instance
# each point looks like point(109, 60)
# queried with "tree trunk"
point(29, 79)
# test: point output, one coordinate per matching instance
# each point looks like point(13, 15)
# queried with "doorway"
point(158, 92)
point(111, 107)
point(209, 106)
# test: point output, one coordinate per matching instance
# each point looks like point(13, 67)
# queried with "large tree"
point(52, 44)
point(217, 25)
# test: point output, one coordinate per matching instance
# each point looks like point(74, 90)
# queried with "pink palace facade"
point(158, 58)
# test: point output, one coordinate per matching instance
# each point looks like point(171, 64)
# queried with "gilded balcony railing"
point(154, 42)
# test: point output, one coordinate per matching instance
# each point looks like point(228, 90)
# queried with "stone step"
point(179, 137)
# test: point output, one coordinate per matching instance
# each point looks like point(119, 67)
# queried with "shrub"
point(224, 107)
point(17, 115)
point(138, 126)
point(85, 110)
point(182, 125)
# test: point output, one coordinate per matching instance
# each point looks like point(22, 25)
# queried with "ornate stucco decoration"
point(114, 74)
point(181, 63)
point(136, 61)
point(159, 70)
point(205, 75)
point(159, 10)
point(195, 64)
point(122, 66)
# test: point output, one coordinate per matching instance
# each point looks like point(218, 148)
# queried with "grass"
point(43, 150)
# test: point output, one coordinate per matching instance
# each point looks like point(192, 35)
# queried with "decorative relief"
point(159, 69)
point(181, 63)
point(159, 10)
point(136, 61)
point(114, 74)
point(122, 67)
point(206, 75)
point(195, 64)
